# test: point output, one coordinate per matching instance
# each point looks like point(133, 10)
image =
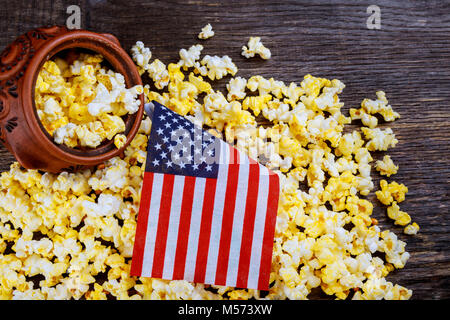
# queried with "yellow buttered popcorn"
point(119, 140)
point(378, 139)
point(371, 107)
point(380, 106)
point(256, 103)
point(141, 55)
point(400, 217)
point(236, 89)
point(386, 166)
point(216, 67)
point(158, 72)
point(391, 192)
point(411, 229)
point(75, 102)
point(366, 119)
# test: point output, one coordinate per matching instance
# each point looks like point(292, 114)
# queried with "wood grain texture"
point(408, 58)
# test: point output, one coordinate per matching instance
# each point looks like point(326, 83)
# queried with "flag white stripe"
point(194, 231)
point(152, 224)
point(174, 223)
point(219, 201)
point(238, 222)
point(258, 234)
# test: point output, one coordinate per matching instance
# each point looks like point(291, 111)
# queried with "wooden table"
point(408, 58)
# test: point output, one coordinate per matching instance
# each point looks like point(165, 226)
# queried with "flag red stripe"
point(227, 219)
point(163, 225)
point(269, 230)
point(249, 222)
point(141, 228)
point(183, 229)
point(205, 230)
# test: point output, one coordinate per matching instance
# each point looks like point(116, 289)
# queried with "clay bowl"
point(20, 128)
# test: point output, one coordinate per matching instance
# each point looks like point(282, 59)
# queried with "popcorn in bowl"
point(82, 104)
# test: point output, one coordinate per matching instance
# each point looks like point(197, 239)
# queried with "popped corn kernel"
point(255, 46)
point(380, 106)
point(217, 67)
point(141, 55)
point(119, 141)
point(411, 229)
point(400, 217)
point(206, 33)
point(256, 103)
point(377, 289)
point(366, 119)
point(259, 83)
point(158, 72)
point(390, 192)
point(97, 294)
point(236, 88)
point(371, 107)
point(378, 139)
point(386, 166)
point(188, 58)
point(199, 83)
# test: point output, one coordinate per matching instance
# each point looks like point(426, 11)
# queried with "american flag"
point(207, 211)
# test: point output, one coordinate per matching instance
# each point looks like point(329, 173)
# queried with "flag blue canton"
point(177, 146)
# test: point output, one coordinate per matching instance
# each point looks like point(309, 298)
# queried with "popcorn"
point(159, 74)
point(255, 46)
point(23, 247)
point(259, 83)
point(199, 83)
point(390, 192)
point(66, 134)
point(379, 140)
point(394, 249)
point(411, 229)
point(78, 98)
point(217, 67)
point(371, 107)
point(400, 217)
point(325, 235)
point(277, 111)
point(236, 88)
point(366, 119)
point(52, 110)
point(380, 106)
point(190, 56)
point(256, 103)
point(119, 141)
point(141, 55)
point(101, 103)
point(206, 32)
point(107, 205)
point(386, 166)
point(86, 137)
point(377, 289)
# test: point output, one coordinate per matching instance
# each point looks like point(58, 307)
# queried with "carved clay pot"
point(20, 128)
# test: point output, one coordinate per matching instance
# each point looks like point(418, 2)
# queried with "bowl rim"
point(106, 45)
